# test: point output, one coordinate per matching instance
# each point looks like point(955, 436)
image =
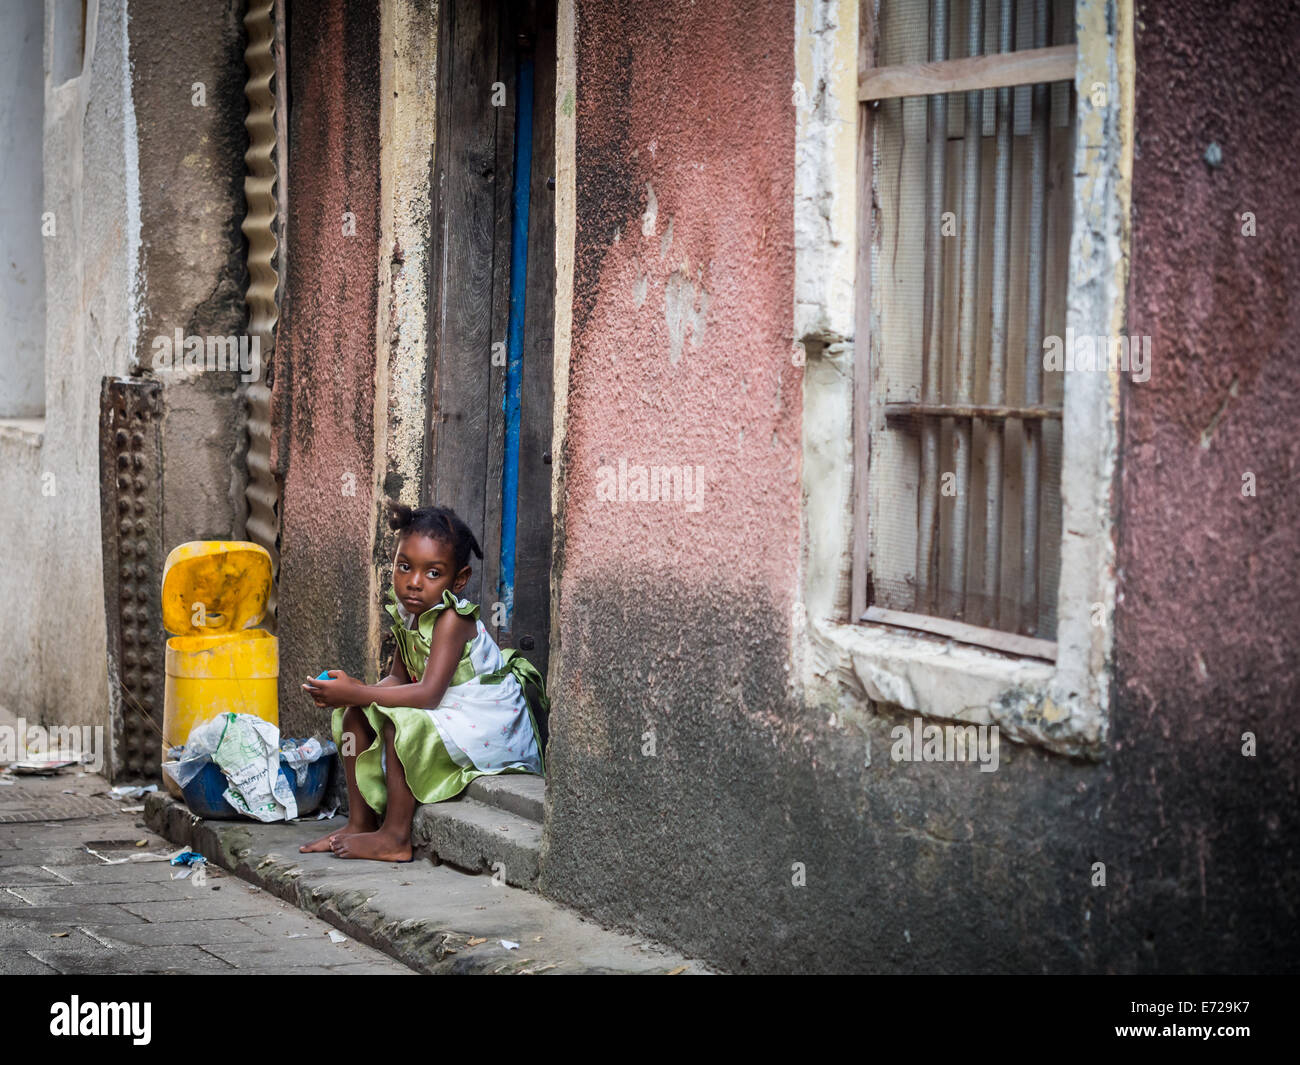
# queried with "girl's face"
point(423, 569)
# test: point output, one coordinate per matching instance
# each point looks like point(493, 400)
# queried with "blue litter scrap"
point(189, 858)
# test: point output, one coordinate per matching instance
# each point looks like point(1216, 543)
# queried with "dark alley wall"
point(678, 623)
point(1208, 629)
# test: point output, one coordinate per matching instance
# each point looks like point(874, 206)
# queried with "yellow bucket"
point(212, 591)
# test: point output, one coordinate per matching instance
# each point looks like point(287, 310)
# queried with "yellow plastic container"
point(212, 592)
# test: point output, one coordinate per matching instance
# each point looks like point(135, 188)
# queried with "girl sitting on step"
point(452, 708)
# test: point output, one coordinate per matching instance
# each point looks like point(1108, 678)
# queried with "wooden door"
point(492, 290)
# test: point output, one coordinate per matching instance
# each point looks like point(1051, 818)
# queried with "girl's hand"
point(339, 690)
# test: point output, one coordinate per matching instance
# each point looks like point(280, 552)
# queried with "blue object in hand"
point(323, 676)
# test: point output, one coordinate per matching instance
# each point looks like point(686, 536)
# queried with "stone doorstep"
point(480, 838)
point(520, 793)
point(427, 915)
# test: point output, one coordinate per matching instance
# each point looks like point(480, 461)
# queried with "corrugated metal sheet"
point(263, 492)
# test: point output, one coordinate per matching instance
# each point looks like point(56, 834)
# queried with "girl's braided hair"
point(438, 523)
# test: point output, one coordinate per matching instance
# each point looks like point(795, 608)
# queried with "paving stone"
point(49, 883)
point(99, 873)
point(107, 831)
point(72, 915)
point(142, 961)
point(18, 935)
point(204, 907)
point(113, 893)
point(19, 875)
point(77, 953)
point(20, 963)
point(306, 952)
point(29, 803)
point(52, 855)
point(287, 921)
point(193, 933)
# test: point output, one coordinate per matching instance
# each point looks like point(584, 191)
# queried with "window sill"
point(29, 431)
point(937, 677)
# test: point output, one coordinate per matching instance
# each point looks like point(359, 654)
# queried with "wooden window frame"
point(855, 671)
point(876, 83)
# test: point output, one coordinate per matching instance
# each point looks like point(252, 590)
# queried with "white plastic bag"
point(247, 750)
point(301, 755)
point(249, 754)
point(197, 752)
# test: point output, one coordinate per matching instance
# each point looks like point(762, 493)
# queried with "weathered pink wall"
point(1208, 628)
point(1213, 617)
point(682, 335)
point(678, 623)
point(325, 368)
point(673, 621)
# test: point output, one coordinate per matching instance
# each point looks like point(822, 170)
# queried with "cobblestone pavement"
point(64, 909)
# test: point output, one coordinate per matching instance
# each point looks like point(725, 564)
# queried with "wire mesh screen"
point(971, 247)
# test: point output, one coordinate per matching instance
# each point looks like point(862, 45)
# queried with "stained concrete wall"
point(22, 270)
point(408, 128)
point(675, 627)
point(145, 191)
point(190, 110)
point(20, 648)
point(326, 353)
point(92, 286)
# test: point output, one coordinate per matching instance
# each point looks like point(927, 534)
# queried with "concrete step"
point(520, 793)
point(434, 918)
point(478, 837)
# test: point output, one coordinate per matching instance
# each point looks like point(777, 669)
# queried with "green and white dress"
point(483, 725)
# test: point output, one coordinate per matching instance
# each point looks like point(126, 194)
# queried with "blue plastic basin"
point(205, 793)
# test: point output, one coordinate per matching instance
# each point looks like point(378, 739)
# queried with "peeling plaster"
point(686, 307)
point(650, 218)
point(995, 849)
point(666, 241)
point(825, 208)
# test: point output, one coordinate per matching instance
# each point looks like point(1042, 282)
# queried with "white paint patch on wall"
point(650, 218)
point(686, 306)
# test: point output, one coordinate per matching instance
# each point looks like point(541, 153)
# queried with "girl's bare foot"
point(350, 829)
point(377, 846)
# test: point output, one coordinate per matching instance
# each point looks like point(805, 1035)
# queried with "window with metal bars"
point(967, 148)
